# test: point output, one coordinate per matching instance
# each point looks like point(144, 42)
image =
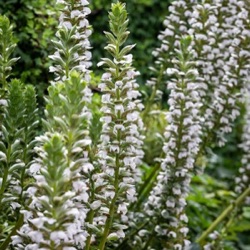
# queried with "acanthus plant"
point(119, 153)
point(241, 181)
point(55, 217)
point(18, 126)
point(167, 200)
point(65, 191)
point(175, 27)
point(220, 34)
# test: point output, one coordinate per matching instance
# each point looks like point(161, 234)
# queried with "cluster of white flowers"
point(55, 218)
point(203, 27)
point(242, 181)
point(59, 196)
point(220, 59)
point(221, 38)
point(120, 150)
point(175, 25)
point(235, 64)
point(74, 24)
point(168, 197)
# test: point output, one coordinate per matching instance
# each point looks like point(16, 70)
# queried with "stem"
point(90, 220)
point(109, 220)
point(223, 215)
point(147, 185)
point(149, 241)
point(91, 214)
point(152, 97)
point(21, 200)
point(5, 177)
point(6, 243)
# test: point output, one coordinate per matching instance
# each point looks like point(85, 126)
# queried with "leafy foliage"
point(16, 149)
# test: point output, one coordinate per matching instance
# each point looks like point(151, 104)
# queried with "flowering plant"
point(78, 180)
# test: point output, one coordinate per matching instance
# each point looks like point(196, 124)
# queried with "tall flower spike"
point(242, 181)
point(53, 220)
point(72, 47)
point(120, 149)
point(175, 27)
point(203, 27)
point(233, 63)
point(60, 190)
point(7, 46)
point(167, 201)
point(11, 157)
point(218, 28)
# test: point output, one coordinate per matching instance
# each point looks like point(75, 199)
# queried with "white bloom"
point(36, 236)
point(95, 205)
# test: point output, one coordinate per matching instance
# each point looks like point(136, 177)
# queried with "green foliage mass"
point(144, 28)
point(35, 23)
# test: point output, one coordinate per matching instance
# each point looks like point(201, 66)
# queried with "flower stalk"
point(57, 212)
point(237, 203)
point(120, 150)
point(167, 199)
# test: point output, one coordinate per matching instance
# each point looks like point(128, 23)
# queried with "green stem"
point(90, 220)
point(6, 243)
point(147, 186)
point(109, 220)
point(149, 241)
point(223, 215)
point(21, 200)
point(91, 214)
point(5, 176)
point(153, 94)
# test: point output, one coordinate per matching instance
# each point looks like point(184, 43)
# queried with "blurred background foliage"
point(35, 24)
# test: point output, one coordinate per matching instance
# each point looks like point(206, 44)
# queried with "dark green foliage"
point(7, 46)
point(144, 26)
point(34, 26)
point(35, 22)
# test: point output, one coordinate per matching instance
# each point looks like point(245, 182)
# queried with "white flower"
point(184, 231)
point(15, 205)
point(3, 102)
point(95, 205)
point(170, 203)
point(172, 234)
point(36, 236)
point(57, 236)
